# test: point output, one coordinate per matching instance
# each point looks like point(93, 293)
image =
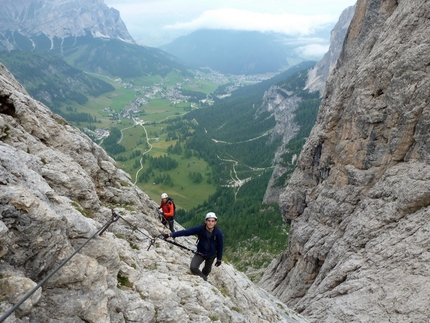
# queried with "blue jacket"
point(208, 247)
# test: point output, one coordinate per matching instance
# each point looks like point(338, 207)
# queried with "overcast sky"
point(158, 22)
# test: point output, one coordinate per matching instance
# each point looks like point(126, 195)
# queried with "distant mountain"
point(57, 24)
point(51, 80)
point(86, 33)
point(319, 74)
point(118, 58)
point(236, 52)
point(295, 133)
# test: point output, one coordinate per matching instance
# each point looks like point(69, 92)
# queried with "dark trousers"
point(197, 261)
point(171, 222)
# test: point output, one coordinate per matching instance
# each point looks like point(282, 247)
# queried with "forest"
point(51, 80)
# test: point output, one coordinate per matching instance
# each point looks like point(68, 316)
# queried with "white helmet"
point(210, 215)
point(164, 196)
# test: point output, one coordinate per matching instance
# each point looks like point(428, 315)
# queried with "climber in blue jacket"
point(209, 247)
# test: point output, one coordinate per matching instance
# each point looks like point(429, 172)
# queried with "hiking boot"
point(205, 278)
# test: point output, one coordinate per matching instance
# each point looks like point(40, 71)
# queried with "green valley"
point(147, 112)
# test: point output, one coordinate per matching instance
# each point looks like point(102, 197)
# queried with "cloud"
point(158, 22)
point(312, 51)
point(228, 18)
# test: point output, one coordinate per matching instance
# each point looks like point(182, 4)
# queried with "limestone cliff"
point(47, 24)
point(318, 75)
point(57, 189)
point(359, 199)
point(283, 104)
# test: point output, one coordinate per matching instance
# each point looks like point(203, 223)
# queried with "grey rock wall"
point(53, 23)
point(57, 188)
point(283, 104)
point(359, 198)
point(318, 75)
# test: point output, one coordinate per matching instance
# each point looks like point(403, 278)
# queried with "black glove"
point(165, 235)
point(218, 263)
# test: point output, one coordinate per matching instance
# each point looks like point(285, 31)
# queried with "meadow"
point(155, 116)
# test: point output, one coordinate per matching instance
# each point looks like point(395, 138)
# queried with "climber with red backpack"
point(167, 211)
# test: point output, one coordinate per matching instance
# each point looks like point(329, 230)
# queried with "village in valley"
point(161, 90)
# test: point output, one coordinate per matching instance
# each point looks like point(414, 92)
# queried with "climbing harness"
point(164, 219)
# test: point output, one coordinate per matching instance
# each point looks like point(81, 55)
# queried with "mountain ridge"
point(21, 26)
point(278, 102)
point(236, 52)
point(87, 34)
point(52, 81)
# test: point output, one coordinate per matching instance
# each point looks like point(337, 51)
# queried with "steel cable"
point(114, 218)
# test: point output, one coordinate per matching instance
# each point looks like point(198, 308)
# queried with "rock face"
point(359, 198)
point(284, 104)
point(318, 75)
point(49, 24)
point(57, 189)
